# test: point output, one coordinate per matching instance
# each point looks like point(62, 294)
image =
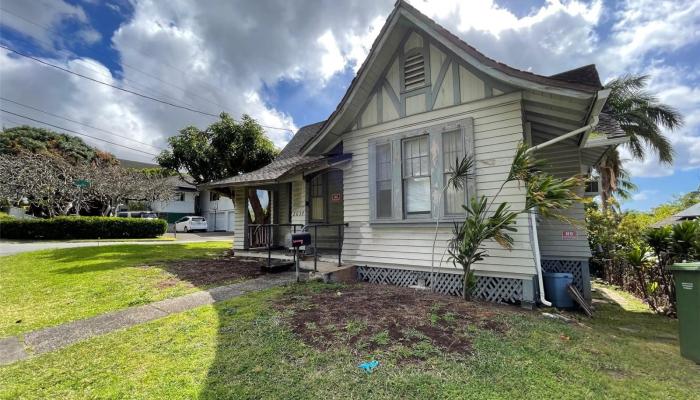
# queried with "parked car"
point(191, 224)
point(137, 214)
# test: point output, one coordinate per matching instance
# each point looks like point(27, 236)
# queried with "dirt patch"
point(211, 271)
point(376, 318)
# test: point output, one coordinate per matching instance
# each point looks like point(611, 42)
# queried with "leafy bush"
point(81, 228)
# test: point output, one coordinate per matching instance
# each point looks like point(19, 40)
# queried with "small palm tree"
point(545, 193)
point(637, 257)
point(642, 116)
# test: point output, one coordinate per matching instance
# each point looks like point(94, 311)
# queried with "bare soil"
point(207, 272)
point(371, 318)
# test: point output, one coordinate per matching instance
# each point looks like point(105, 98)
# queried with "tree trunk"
point(257, 207)
point(466, 290)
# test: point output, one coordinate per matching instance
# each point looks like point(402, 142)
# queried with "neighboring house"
point(691, 213)
point(421, 99)
point(184, 201)
point(217, 209)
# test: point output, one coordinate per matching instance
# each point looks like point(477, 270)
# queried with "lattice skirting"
point(502, 290)
point(574, 267)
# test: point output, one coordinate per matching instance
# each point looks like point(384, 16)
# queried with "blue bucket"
point(555, 284)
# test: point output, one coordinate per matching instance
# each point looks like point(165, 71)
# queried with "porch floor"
point(327, 262)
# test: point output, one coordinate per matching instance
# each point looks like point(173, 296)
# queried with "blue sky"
point(288, 64)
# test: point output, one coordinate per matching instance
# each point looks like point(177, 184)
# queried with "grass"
point(241, 349)
point(46, 288)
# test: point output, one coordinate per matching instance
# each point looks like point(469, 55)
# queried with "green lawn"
point(47, 288)
point(242, 348)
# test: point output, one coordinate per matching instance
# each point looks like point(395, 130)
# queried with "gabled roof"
point(584, 79)
point(609, 126)
point(586, 75)
point(690, 213)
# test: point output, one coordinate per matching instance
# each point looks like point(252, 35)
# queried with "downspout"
point(597, 107)
point(538, 261)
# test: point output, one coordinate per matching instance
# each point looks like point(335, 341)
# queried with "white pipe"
point(538, 260)
point(575, 132)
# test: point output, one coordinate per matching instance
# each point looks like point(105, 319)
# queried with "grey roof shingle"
point(609, 126)
point(586, 75)
point(287, 162)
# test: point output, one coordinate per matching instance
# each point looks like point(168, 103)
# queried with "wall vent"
point(414, 72)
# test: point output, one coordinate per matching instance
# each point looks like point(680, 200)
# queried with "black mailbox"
point(301, 239)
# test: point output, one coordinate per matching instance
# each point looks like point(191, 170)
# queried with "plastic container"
point(555, 284)
point(687, 279)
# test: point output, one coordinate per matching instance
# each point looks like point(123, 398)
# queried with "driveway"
point(8, 247)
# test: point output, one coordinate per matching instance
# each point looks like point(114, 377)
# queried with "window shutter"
point(469, 147)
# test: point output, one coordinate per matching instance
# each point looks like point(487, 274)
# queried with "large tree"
point(38, 140)
point(226, 148)
point(642, 116)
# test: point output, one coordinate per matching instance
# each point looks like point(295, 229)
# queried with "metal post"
point(296, 263)
point(315, 247)
point(269, 248)
point(340, 241)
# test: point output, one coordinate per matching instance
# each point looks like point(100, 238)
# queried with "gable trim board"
point(498, 71)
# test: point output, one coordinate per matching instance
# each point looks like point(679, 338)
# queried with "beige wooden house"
point(422, 98)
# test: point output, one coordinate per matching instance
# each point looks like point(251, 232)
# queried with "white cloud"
point(41, 19)
point(220, 56)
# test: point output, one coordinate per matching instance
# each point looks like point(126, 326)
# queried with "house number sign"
point(335, 197)
point(568, 235)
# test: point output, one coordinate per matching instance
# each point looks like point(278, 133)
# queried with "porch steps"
point(337, 274)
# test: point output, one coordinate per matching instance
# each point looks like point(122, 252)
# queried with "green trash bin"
point(687, 279)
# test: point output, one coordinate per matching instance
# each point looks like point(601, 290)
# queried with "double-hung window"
point(406, 177)
point(416, 176)
point(383, 181)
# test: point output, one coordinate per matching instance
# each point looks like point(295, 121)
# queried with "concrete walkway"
point(9, 247)
point(14, 348)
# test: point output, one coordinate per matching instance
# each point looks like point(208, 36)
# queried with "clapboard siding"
point(497, 131)
point(240, 225)
point(563, 161)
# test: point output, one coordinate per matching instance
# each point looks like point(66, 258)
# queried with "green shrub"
point(81, 228)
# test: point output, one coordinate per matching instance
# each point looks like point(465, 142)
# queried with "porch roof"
point(271, 173)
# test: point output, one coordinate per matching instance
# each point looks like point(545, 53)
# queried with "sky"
point(288, 63)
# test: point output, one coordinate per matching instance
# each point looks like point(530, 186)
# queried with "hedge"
point(81, 228)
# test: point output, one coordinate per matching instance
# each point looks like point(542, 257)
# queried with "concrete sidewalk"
point(9, 247)
point(13, 348)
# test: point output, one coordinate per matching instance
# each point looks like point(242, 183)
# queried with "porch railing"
point(261, 236)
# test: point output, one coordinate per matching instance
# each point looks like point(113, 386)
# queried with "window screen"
point(416, 175)
point(452, 154)
point(318, 196)
point(384, 186)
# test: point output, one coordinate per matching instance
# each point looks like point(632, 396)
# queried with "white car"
point(191, 224)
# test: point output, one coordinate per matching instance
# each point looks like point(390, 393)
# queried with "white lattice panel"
point(487, 287)
point(571, 266)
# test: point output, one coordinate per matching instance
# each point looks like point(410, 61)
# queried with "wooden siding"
point(563, 160)
point(498, 130)
point(240, 223)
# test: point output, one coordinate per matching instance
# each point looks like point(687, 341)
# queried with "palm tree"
point(642, 116)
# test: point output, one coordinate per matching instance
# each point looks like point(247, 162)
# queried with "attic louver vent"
point(414, 72)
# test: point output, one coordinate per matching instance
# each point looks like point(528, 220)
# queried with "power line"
point(77, 133)
point(79, 123)
point(48, 64)
point(189, 107)
point(143, 86)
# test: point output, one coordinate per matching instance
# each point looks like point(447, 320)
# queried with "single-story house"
point(183, 203)
point(217, 209)
point(369, 177)
point(691, 213)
